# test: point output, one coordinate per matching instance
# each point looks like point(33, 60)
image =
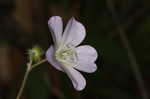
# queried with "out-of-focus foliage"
point(23, 23)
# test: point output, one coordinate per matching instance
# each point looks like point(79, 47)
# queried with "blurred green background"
point(118, 29)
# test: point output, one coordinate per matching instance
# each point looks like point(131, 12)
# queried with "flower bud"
point(35, 53)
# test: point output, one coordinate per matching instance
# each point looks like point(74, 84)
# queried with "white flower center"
point(66, 55)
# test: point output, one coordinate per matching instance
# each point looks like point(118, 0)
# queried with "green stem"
point(29, 68)
point(23, 84)
point(35, 65)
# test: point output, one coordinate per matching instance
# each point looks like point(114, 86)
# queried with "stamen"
point(66, 55)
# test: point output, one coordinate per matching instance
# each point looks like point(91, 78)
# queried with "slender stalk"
point(23, 84)
point(29, 68)
point(35, 65)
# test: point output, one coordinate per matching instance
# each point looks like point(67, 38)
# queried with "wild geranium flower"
point(66, 56)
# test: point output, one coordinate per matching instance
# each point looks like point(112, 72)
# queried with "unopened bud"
point(35, 53)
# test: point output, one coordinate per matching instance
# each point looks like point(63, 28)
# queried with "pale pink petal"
point(51, 59)
point(86, 67)
point(74, 33)
point(77, 79)
point(56, 27)
point(86, 53)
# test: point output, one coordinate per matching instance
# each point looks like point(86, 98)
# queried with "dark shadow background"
point(118, 29)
